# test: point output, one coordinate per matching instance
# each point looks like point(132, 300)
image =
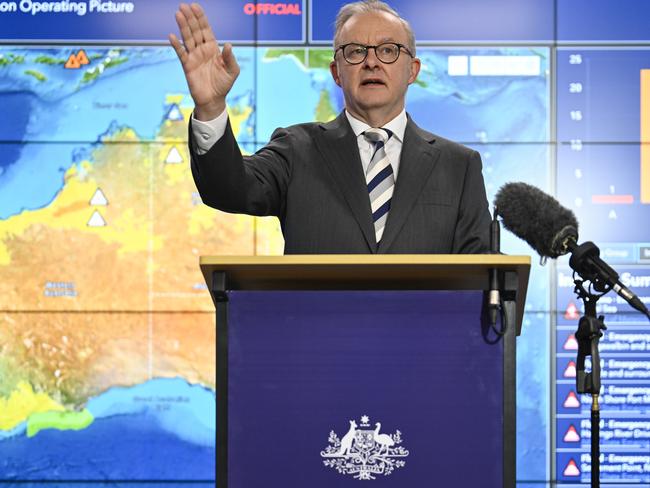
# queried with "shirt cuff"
point(207, 133)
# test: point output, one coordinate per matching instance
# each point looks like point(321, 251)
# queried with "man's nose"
point(371, 59)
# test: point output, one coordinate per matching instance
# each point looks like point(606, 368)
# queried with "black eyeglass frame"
point(367, 48)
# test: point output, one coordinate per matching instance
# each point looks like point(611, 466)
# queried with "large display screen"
point(107, 335)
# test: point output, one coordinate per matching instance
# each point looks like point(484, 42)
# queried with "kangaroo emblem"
point(347, 440)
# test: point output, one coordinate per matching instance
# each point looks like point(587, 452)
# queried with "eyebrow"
point(385, 39)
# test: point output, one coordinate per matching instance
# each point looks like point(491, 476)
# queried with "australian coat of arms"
point(365, 452)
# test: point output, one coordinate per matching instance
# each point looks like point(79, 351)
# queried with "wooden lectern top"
point(367, 272)
point(363, 271)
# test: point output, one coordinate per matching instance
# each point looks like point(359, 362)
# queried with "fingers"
point(194, 29)
point(178, 47)
point(206, 30)
point(184, 27)
point(229, 60)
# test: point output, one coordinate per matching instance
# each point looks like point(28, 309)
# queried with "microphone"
point(552, 231)
point(494, 296)
point(537, 218)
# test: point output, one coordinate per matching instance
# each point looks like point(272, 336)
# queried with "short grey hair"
point(349, 10)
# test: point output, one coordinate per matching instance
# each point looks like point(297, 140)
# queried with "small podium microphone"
point(494, 295)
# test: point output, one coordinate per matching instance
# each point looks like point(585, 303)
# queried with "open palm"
point(209, 71)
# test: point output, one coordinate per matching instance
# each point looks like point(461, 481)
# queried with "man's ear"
point(415, 69)
point(335, 73)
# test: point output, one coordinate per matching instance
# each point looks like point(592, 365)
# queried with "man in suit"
point(370, 181)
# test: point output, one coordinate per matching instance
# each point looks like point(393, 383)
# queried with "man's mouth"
point(372, 81)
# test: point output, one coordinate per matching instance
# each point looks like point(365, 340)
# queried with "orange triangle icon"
point(571, 469)
point(572, 312)
point(570, 371)
point(81, 57)
point(571, 435)
point(571, 400)
point(571, 344)
point(72, 62)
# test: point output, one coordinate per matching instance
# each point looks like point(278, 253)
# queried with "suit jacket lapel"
point(341, 153)
point(417, 160)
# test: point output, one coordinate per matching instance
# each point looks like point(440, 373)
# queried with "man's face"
point(373, 85)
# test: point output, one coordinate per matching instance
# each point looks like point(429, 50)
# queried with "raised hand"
point(210, 72)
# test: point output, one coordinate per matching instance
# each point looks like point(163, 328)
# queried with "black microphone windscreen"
point(537, 218)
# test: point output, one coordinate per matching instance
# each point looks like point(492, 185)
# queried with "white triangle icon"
point(570, 371)
point(571, 312)
point(174, 156)
point(571, 343)
point(571, 435)
point(612, 215)
point(174, 113)
point(96, 220)
point(571, 469)
point(571, 401)
point(99, 199)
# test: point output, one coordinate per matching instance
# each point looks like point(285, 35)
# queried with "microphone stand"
point(589, 332)
point(586, 263)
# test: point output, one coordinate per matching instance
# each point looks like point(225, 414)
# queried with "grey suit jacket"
point(311, 177)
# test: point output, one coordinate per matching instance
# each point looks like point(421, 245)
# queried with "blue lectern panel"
point(326, 387)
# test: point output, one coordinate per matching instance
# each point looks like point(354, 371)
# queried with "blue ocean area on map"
point(9, 153)
point(273, 109)
point(161, 429)
point(126, 447)
point(12, 128)
point(186, 410)
point(463, 108)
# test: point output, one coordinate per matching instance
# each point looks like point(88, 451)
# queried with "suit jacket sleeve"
point(254, 185)
point(473, 227)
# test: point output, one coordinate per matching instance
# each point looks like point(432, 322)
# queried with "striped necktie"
point(379, 179)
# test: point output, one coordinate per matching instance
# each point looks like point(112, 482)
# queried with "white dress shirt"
point(207, 133)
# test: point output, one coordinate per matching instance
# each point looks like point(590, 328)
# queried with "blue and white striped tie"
point(380, 179)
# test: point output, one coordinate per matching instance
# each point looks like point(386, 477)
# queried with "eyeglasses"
point(387, 52)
